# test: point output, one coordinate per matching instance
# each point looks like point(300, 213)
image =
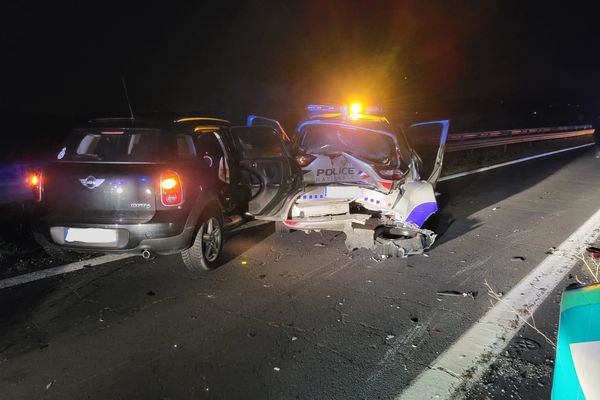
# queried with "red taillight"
point(34, 180)
point(171, 191)
point(304, 159)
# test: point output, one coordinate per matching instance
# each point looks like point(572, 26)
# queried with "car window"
point(209, 149)
point(141, 145)
point(258, 142)
point(114, 146)
point(362, 143)
point(185, 147)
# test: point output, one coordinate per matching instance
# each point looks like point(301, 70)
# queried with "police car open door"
point(428, 139)
point(267, 170)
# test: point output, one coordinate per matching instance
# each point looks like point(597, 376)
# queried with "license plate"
point(90, 235)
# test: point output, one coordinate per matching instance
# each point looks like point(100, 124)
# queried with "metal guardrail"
point(479, 140)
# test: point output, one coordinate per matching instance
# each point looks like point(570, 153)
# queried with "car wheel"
point(391, 243)
point(205, 253)
point(60, 254)
point(280, 227)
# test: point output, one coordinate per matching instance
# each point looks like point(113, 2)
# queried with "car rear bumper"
point(159, 238)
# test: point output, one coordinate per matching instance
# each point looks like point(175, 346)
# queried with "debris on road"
point(456, 293)
point(150, 293)
point(320, 245)
point(49, 385)
point(518, 258)
point(378, 258)
point(101, 317)
point(595, 251)
point(526, 344)
point(496, 208)
point(389, 337)
point(276, 369)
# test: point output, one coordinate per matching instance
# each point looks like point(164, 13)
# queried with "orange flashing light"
point(33, 180)
point(355, 108)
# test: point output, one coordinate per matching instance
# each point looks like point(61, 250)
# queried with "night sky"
point(229, 58)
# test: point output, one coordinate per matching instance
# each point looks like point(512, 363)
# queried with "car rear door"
point(428, 139)
point(267, 170)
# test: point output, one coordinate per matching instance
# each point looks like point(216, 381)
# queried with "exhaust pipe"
point(146, 254)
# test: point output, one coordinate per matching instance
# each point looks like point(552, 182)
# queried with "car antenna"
point(127, 97)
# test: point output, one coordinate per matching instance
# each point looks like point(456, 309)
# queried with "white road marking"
point(466, 360)
point(504, 164)
point(62, 269)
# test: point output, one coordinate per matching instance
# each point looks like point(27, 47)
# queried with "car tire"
point(389, 244)
point(280, 227)
point(207, 249)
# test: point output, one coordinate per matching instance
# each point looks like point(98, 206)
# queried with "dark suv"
point(140, 187)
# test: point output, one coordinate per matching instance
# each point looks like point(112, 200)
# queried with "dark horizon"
point(231, 56)
point(486, 66)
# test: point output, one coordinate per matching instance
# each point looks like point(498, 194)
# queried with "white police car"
point(357, 175)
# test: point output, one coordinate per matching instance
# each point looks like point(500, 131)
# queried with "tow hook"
point(146, 254)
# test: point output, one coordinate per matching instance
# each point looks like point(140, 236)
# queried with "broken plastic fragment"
point(551, 250)
point(456, 293)
point(276, 369)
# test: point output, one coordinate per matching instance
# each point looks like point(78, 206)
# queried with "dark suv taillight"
point(171, 189)
point(34, 180)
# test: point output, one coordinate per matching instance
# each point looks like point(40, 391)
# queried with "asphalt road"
point(291, 315)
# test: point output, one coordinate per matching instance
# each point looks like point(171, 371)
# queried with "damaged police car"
point(360, 177)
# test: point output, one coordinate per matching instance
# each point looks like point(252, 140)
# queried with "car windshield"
point(362, 143)
point(119, 145)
